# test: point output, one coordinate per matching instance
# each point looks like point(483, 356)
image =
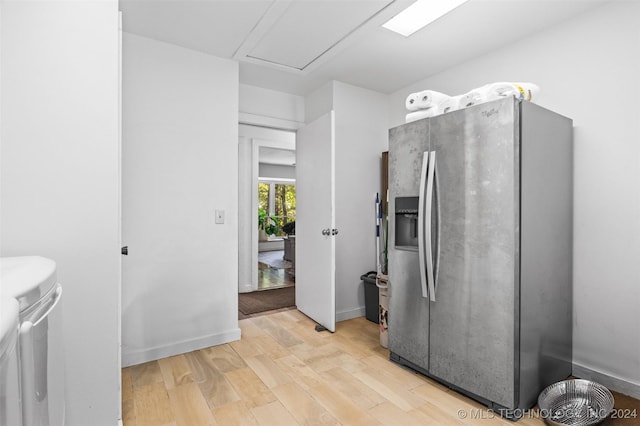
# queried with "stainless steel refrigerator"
point(480, 257)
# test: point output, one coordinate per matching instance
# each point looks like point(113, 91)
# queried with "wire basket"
point(575, 402)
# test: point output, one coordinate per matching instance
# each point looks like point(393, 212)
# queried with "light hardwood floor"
point(283, 372)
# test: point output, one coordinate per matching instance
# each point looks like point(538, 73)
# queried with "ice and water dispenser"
point(406, 215)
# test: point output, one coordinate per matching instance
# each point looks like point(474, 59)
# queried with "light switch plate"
point(219, 216)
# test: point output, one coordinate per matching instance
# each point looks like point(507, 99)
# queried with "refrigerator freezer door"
point(408, 309)
point(474, 320)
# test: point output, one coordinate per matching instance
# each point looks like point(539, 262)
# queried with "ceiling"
point(296, 46)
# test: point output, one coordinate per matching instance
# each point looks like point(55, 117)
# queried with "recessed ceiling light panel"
point(420, 14)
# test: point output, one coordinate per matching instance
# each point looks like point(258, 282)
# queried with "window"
point(278, 199)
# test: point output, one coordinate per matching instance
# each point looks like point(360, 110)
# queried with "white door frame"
point(244, 281)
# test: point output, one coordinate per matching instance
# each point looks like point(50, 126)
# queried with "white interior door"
point(315, 221)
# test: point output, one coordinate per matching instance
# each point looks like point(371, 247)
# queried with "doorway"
point(267, 203)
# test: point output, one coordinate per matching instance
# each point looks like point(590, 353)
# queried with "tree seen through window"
point(279, 200)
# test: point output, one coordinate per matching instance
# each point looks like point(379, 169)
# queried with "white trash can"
point(383, 311)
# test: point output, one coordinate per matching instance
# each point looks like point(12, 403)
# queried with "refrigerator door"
point(10, 414)
point(408, 308)
point(42, 362)
point(473, 321)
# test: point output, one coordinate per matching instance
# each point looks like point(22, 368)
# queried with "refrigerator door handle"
point(436, 266)
point(427, 226)
point(421, 223)
point(53, 304)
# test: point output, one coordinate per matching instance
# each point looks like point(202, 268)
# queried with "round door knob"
point(334, 232)
point(326, 231)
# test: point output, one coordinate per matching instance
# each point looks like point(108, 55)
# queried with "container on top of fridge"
point(27, 278)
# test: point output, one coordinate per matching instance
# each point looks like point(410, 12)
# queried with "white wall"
point(587, 69)
point(180, 164)
point(60, 179)
point(318, 102)
point(361, 136)
point(270, 108)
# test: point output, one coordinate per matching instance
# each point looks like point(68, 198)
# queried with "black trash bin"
point(371, 296)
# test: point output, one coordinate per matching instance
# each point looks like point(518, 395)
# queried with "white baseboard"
point(151, 354)
point(613, 383)
point(347, 315)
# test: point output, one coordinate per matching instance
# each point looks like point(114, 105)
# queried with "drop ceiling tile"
point(308, 29)
point(213, 26)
